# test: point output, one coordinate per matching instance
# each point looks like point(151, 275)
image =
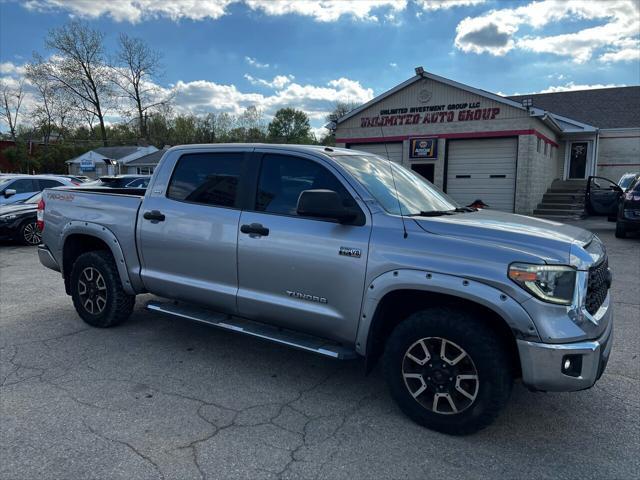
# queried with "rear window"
point(207, 178)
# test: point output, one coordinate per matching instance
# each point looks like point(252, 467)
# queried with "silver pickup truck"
point(344, 254)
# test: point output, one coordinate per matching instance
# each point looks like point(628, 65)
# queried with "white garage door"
point(394, 149)
point(483, 169)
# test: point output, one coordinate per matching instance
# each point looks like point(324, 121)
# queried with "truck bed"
point(109, 211)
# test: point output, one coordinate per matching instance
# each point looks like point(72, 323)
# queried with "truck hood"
point(549, 240)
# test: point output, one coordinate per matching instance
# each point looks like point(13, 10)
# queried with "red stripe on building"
point(400, 138)
point(618, 164)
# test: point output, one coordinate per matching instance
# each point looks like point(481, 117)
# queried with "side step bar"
point(254, 329)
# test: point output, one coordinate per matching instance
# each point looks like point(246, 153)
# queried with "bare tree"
point(135, 71)
point(54, 106)
point(12, 97)
point(78, 66)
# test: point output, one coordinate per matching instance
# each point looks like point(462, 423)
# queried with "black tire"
point(117, 304)
point(621, 231)
point(29, 233)
point(488, 356)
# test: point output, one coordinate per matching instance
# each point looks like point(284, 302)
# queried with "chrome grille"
point(598, 286)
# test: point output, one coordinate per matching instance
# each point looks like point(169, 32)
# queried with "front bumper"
point(542, 363)
point(46, 258)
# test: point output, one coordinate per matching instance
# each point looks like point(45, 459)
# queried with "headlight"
point(550, 283)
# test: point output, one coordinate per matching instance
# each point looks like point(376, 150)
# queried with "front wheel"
point(97, 291)
point(30, 233)
point(447, 371)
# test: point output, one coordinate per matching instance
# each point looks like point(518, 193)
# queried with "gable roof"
point(435, 78)
point(150, 159)
point(603, 108)
point(120, 154)
point(116, 153)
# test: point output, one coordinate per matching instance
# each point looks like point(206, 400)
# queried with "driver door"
point(602, 196)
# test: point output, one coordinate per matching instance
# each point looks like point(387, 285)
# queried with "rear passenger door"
point(188, 231)
point(302, 273)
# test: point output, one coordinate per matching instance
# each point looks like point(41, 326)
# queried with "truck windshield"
point(416, 195)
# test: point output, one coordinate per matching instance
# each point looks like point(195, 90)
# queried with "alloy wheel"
point(31, 234)
point(440, 375)
point(92, 290)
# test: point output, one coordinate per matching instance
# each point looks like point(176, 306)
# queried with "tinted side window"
point(49, 184)
point(207, 178)
point(23, 185)
point(283, 178)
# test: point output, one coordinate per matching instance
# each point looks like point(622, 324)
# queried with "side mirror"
point(324, 204)
point(9, 192)
point(615, 188)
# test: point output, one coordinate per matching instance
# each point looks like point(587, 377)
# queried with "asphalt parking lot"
point(161, 398)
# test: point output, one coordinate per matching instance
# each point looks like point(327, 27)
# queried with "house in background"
point(106, 160)
point(146, 164)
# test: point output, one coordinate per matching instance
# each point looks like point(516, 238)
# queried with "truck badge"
point(350, 252)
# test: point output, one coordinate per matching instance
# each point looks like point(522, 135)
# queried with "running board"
point(289, 338)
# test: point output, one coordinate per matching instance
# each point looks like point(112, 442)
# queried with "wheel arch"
point(393, 296)
point(90, 237)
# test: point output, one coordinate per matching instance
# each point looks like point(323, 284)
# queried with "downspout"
point(594, 167)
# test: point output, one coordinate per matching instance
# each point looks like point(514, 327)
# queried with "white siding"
point(475, 169)
point(394, 150)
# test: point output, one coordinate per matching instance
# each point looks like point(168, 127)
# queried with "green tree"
point(290, 126)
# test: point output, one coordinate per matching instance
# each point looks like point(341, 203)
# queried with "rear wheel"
point(447, 371)
point(621, 231)
point(30, 233)
point(97, 292)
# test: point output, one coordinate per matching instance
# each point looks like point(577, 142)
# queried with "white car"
point(14, 188)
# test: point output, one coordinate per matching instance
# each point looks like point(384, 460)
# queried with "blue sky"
point(224, 55)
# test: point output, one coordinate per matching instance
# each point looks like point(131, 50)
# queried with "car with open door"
point(628, 218)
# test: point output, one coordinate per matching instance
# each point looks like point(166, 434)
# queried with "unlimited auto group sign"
point(453, 112)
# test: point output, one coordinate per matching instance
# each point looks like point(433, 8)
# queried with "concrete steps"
point(564, 200)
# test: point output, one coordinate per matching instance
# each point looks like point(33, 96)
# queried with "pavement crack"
point(144, 457)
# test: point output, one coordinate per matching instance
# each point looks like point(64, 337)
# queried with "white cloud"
point(278, 81)
point(393, 65)
point(255, 63)
point(446, 4)
point(328, 10)
point(567, 87)
point(570, 86)
point(134, 11)
point(10, 68)
point(496, 31)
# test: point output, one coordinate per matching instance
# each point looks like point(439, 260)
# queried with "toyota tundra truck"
point(344, 254)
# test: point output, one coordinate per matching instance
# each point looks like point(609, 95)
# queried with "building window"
point(144, 170)
point(546, 148)
point(538, 145)
point(552, 154)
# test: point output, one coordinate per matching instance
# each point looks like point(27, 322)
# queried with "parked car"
point(628, 218)
point(326, 250)
point(628, 179)
point(76, 179)
point(20, 187)
point(18, 221)
point(121, 181)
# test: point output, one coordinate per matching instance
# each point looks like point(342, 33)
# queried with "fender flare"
point(503, 305)
point(108, 237)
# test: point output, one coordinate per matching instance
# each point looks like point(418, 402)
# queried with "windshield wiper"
point(432, 213)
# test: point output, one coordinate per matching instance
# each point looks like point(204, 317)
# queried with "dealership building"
point(505, 151)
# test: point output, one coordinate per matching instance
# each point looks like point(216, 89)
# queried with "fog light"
point(572, 365)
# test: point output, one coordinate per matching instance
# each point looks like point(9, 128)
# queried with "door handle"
point(154, 215)
point(255, 229)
